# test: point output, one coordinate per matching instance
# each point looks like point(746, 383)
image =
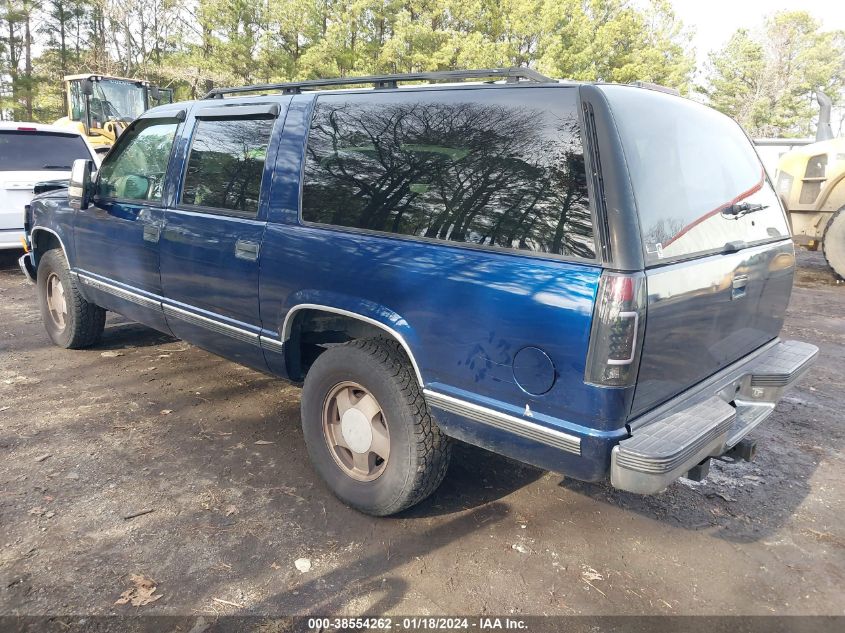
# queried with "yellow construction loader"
point(811, 183)
point(101, 107)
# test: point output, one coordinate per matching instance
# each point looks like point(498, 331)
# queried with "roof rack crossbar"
point(381, 82)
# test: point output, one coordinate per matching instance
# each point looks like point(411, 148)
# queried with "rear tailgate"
point(707, 313)
point(17, 190)
point(27, 156)
point(716, 242)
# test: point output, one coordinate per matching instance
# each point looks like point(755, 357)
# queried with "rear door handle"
point(152, 233)
point(245, 249)
point(738, 286)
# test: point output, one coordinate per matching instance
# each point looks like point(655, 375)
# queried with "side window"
point(77, 102)
point(494, 167)
point(136, 169)
point(226, 164)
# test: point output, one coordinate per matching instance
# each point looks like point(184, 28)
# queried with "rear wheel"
point(71, 321)
point(833, 244)
point(368, 429)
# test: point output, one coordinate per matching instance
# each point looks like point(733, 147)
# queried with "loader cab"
point(101, 107)
point(156, 96)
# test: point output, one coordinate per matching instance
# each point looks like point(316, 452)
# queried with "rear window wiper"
point(733, 247)
point(736, 211)
point(56, 167)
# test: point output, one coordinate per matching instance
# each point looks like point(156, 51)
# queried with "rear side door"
point(211, 243)
point(117, 237)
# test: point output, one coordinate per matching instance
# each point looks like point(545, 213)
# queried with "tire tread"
point(87, 320)
point(837, 215)
point(433, 447)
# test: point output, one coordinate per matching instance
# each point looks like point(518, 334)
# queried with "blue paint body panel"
point(463, 312)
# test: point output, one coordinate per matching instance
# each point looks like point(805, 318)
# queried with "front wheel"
point(71, 321)
point(368, 429)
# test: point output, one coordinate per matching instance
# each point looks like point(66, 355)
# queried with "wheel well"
point(313, 331)
point(43, 241)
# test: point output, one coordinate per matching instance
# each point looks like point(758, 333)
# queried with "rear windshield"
point(38, 151)
point(697, 181)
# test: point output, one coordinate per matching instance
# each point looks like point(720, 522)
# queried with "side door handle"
point(152, 233)
point(245, 249)
point(738, 286)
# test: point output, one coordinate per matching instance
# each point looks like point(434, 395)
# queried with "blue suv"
point(586, 277)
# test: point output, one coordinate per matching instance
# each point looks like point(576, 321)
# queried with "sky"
point(716, 20)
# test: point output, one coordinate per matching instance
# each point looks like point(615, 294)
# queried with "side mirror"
point(155, 93)
point(80, 188)
point(87, 87)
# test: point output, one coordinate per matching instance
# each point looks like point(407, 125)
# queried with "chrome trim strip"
point(286, 327)
point(512, 424)
point(121, 293)
point(272, 344)
point(217, 326)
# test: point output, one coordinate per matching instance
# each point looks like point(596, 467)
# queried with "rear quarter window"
point(40, 151)
point(489, 167)
point(689, 166)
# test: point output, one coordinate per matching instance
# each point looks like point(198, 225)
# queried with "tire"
point(833, 242)
point(418, 451)
point(81, 324)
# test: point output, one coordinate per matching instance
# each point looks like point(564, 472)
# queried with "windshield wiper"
point(736, 211)
point(56, 167)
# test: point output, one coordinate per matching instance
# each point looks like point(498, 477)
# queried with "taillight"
point(616, 334)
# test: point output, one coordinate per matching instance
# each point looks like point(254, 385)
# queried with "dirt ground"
point(147, 422)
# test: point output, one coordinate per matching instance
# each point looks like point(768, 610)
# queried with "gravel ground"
point(147, 422)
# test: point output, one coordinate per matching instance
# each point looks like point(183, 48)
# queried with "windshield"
point(39, 151)
point(698, 184)
point(115, 99)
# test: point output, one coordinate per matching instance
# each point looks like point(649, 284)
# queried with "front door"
point(211, 243)
point(117, 236)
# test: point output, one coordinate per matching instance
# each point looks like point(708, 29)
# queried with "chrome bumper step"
point(668, 446)
point(784, 364)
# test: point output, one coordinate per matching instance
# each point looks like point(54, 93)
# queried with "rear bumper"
point(709, 419)
point(11, 238)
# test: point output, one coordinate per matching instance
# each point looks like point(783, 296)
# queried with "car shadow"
point(122, 333)
point(9, 259)
point(738, 501)
point(476, 477)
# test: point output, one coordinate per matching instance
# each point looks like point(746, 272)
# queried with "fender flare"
point(37, 256)
point(287, 326)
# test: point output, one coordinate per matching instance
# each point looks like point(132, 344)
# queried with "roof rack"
point(656, 87)
point(381, 82)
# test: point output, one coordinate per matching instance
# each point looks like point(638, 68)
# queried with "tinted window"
point(690, 168)
point(226, 164)
point(37, 151)
point(135, 169)
point(487, 167)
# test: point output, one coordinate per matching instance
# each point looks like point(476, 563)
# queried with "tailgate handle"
point(247, 250)
point(738, 286)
